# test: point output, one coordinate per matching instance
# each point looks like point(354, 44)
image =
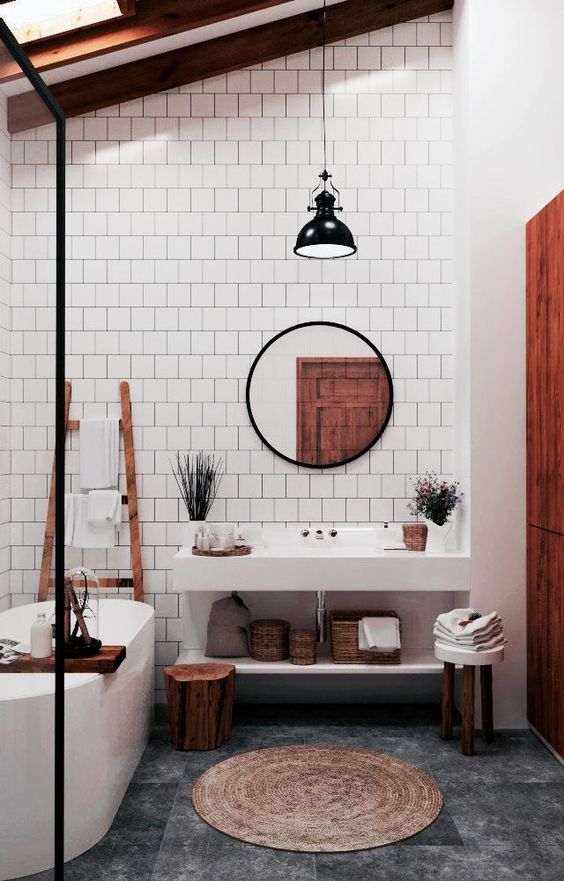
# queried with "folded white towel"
point(379, 633)
point(104, 506)
point(82, 534)
point(481, 647)
point(451, 621)
point(471, 638)
point(99, 453)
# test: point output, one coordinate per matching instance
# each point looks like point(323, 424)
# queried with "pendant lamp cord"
point(323, 85)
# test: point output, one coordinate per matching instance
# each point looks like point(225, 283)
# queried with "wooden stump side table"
point(468, 660)
point(200, 704)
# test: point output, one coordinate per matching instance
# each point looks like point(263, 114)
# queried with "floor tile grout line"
point(165, 828)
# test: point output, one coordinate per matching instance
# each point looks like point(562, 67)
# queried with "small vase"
point(437, 536)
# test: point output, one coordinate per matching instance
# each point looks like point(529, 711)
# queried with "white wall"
point(509, 135)
point(5, 323)
point(183, 210)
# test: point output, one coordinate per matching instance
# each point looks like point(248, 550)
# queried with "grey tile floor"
point(503, 816)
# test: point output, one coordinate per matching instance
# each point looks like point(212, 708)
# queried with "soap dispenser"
point(41, 637)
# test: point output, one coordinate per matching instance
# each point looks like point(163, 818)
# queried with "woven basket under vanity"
point(269, 640)
point(343, 627)
point(303, 647)
point(415, 536)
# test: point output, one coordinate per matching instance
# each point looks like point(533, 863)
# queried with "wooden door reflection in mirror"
point(341, 403)
point(319, 394)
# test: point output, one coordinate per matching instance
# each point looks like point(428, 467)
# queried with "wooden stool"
point(200, 704)
point(451, 656)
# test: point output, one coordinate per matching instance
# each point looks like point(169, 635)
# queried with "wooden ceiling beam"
point(149, 20)
point(222, 55)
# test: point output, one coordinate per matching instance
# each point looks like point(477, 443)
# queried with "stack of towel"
point(461, 628)
point(382, 634)
point(93, 515)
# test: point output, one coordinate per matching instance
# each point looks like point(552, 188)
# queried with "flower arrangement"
point(198, 476)
point(435, 499)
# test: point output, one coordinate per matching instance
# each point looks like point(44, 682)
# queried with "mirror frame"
point(317, 324)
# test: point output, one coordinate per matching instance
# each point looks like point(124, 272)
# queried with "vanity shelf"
point(414, 661)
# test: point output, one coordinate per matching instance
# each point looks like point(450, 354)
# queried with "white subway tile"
point(183, 212)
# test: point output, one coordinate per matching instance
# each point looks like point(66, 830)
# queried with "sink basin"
point(349, 541)
point(350, 561)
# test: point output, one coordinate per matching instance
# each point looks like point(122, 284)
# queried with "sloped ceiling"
point(249, 40)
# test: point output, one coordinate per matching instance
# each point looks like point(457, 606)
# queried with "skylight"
point(36, 19)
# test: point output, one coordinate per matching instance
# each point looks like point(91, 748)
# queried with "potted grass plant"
point(435, 499)
point(198, 477)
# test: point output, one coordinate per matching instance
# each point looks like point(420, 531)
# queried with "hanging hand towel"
point(69, 519)
point(88, 535)
point(104, 506)
point(379, 633)
point(99, 453)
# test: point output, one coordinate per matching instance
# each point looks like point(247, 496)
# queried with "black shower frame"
point(21, 58)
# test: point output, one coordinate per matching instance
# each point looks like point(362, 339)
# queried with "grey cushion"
point(227, 628)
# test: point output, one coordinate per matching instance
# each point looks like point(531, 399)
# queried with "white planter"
point(188, 532)
point(437, 537)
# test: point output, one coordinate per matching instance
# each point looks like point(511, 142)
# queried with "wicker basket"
point(269, 639)
point(303, 647)
point(343, 626)
point(415, 536)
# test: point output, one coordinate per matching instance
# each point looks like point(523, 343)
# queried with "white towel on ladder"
point(104, 506)
point(79, 533)
point(69, 519)
point(99, 453)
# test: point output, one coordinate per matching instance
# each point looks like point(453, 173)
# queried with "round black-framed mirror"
point(319, 394)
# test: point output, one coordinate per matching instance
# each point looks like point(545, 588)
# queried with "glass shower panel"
point(28, 308)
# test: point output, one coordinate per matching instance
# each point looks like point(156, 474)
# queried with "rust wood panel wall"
point(545, 472)
point(545, 634)
point(545, 367)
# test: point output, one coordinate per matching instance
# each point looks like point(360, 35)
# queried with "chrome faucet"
point(319, 534)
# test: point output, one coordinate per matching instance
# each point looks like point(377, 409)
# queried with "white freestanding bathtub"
point(108, 720)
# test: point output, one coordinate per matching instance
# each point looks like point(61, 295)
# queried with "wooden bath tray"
point(229, 552)
point(108, 659)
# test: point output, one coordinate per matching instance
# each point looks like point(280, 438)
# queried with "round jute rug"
point(317, 798)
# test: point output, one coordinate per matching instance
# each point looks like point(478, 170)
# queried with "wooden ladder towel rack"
point(126, 427)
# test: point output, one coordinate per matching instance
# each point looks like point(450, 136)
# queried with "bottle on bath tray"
point(41, 637)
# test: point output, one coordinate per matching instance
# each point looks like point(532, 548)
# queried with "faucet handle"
point(333, 532)
point(304, 533)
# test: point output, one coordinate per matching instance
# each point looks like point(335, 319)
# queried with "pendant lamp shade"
point(325, 237)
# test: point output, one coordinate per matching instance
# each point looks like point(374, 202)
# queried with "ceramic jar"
point(437, 537)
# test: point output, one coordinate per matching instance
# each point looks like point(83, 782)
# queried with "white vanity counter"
point(350, 561)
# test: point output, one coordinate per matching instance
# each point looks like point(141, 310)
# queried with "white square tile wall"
point(5, 367)
point(183, 211)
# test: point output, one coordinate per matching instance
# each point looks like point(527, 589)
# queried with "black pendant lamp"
point(325, 237)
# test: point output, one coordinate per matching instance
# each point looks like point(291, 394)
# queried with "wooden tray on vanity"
point(108, 659)
point(223, 552)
